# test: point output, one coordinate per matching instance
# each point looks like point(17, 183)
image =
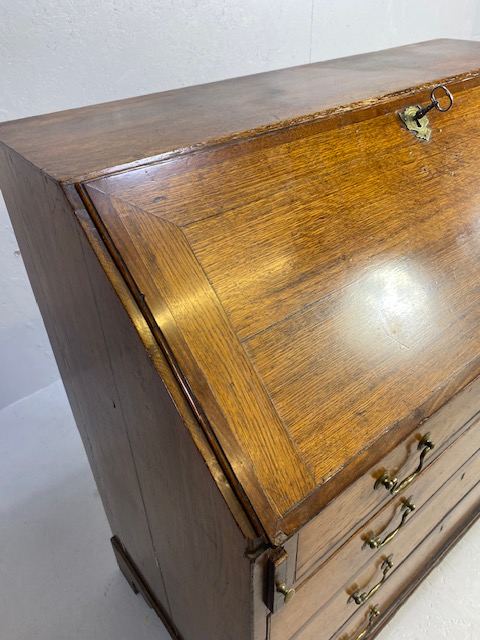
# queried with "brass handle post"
point(374, 542)
point(392, 484)
point(360, 598)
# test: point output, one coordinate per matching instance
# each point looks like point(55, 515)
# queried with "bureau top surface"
point(92, 139)
point(316, 289)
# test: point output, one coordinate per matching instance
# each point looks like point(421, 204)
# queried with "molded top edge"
point(87, 141)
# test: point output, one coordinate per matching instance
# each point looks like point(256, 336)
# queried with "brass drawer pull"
point(391, 484)
point(360, 598)
point(287, 593)
point(374, 613)
point(374, 542)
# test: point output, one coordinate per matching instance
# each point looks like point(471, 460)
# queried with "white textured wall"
point(56, 54)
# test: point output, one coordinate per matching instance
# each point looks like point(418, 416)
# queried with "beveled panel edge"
point(308, 508)
point(311, 505)
point(254, 496)
point(246, 521)
point(361, 463)
point(303, 511)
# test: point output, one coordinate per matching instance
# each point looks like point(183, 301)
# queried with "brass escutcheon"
point(415, 117)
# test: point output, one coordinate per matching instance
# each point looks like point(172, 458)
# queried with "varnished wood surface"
point(320, 619)
point(161, 498)
point(416, 567)
point(355, 506)
point(192, 530)
point(354, 566)
point(162, 367)
point(295, 251)
point(92, 139)
point(188, 315)
point(344, 260)
point(57, 258)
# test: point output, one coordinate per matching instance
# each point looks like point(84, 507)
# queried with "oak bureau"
point(263, 295)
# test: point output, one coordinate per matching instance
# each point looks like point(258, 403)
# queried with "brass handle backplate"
point(360, 598)
point(391, 483)
point(375, 542)
point(374, 613)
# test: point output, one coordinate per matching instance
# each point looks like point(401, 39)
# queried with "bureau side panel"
point(57, 260)
point(161, 499)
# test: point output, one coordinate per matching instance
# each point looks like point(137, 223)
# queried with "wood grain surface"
point(144, 458)
point(353, 507)
point(59, 260)
point(257, 291)
point(157, 358)
point(304, 285)
point(355, 566)
point(316, 616)
point(201, 338)
point(96, 138)
point(193, 533)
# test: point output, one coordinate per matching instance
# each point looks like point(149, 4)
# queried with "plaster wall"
point(58, 54)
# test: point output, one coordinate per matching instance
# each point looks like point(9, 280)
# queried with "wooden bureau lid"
point(316, 289)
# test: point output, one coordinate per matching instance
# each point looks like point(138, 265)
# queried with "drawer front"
point(412, 571)
point(319, 539)
point(321, 600)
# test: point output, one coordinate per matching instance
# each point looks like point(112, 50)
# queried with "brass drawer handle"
point(391, 484)
point(360, 598)
point(374, 542)
point(374, 613)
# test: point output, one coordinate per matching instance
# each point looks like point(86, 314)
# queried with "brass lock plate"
point(420, 127)
point(415, 116)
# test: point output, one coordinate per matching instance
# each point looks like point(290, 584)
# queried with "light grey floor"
point(58, 577)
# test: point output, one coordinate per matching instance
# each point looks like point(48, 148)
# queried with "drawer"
point(317, 541)
point(413, 570)
point(352, 566)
